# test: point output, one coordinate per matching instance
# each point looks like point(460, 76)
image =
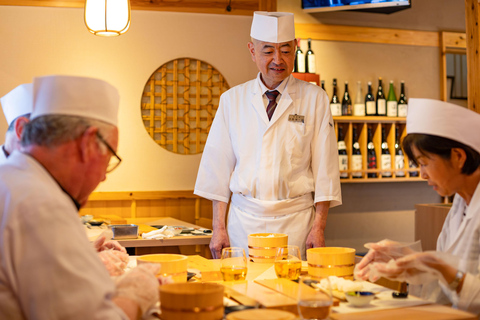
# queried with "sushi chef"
point(443, 141)
point(17, 106)
point(271, 149)
point(48, 268)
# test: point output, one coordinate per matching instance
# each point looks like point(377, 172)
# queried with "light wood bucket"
point(264, 314)
point(262, 247)
point(331, 261)
point(173, 265)
point(192, 301)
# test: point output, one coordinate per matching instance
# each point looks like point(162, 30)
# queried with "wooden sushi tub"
point(262, 247)
point(173, 265)
point(331, 261)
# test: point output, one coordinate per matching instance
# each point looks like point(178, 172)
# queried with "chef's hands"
point(140, 285)
point(416, 268)
point(218, 242)
point(383, 251)
point(114, 261)
point(101, 243)
point(315, 239)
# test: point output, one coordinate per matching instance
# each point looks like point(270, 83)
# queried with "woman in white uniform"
point(442, 140)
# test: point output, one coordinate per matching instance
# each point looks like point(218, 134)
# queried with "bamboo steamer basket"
point(262, 247)
point(331, 261)
point(192, 301)
point(173, 265)
point(264, 314)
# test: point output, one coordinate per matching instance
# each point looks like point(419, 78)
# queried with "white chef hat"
point(75, 96)
point(17, 102)
point(276, 27)
point(445, 120)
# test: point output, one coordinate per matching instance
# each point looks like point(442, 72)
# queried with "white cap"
point(445, 120)
point(275, 27)
point(75, 96)
point(17, 102)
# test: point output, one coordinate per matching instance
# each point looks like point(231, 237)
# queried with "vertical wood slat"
point(186, 114)
point(175, 106)
point(198, 104)
point(443, 67)
point(152, 106)
point(473, 59)
point(210, 102)
point(163, 107)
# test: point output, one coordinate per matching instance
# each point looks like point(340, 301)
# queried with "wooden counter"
point(268, 298)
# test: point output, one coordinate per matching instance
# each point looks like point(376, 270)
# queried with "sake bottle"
point(386, 158)
point(371, 155)
point(342, 154)
point(346, 102)
point(370, 107)
point(299, 59)
point(356, 156)
point(381, 102)
point(402, 101)
point(399, 156)
point(310, 60)
point(391, 101)
point(335, 105)
point(359, 105)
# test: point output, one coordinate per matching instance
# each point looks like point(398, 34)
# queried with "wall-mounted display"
point(179, 102)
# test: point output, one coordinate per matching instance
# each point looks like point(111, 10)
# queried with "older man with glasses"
point(48, 268)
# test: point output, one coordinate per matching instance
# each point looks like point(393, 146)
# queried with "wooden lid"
point(264, 314)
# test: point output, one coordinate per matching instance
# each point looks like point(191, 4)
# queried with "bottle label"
point(391, 108)
point(381, 110)
point(336, 109)
point(386, 164)
point(399, 165)
point(356, 145)
point(359, 109)
point(341, 145)
point(301, 62)
point(402, 110)
point(413, 166)
point(371, 108)
point(343, 165)
point(357, 165)
point(311, 63)
point(370, 145)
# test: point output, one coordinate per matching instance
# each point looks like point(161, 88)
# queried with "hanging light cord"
point(229, 6)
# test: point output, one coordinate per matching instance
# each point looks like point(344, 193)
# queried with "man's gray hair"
point(54, 130)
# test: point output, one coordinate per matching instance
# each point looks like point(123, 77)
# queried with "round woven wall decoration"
point(179, 103)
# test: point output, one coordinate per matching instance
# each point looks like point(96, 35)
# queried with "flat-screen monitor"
point(379, 6)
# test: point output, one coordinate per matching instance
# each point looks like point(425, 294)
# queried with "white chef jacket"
point(48, 268)
point(460, 237)
point(3, 156)
point(272, 168)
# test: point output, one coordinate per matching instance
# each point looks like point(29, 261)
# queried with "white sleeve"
point(52, 267)
point(218, 159)
point(325, 155)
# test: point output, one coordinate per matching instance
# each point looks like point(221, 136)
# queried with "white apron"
point(275, 161)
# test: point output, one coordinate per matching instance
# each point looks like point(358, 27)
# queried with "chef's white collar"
point(280, 88)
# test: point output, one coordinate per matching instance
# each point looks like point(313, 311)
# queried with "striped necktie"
point(272, 102)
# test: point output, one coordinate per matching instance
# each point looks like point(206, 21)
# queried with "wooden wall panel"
point(472, 15)
point(238, 7)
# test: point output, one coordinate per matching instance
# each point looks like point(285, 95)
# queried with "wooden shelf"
point(376, 123)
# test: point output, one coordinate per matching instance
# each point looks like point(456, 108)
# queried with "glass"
point(314, 298)
point(115, 160)
point(288, 263)
point(234, 264)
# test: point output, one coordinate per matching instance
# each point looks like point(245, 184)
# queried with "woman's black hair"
point(442, 147)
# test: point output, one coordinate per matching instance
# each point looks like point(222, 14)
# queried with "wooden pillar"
point(473, 58)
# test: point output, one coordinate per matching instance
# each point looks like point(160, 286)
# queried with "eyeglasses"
point(114, 161)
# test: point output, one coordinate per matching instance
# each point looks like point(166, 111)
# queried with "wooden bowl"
point(264, 314)
point(173, 265)
point(331, 261)
point(262, 247)
point(192, 301)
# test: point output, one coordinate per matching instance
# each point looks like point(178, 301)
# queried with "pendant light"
point(107, 18)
